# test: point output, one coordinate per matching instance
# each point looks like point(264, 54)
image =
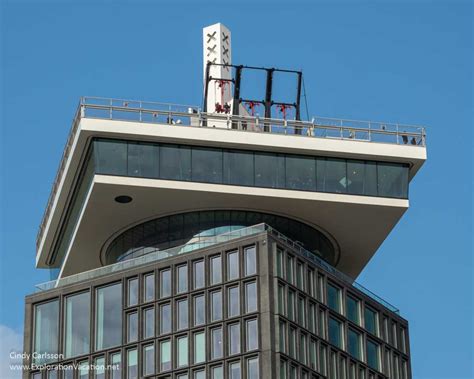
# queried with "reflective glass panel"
point(77, 324)
point(46, 331)
point(108, 319)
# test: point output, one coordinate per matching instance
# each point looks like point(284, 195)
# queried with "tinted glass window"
point(335, 332)
point(77, 324)
point(352, 309)
point(300, 173)
point(207, 165)
point(108, 318)
point(46, 330)
point(269, 170)
point(143, 160)
point(238, 168)
point(175, 162)
point(392, 180)
point(111, 157)
point(353, 341)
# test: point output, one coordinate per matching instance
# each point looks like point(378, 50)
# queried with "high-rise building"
point(216, 243)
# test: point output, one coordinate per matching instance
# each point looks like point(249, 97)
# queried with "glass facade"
point(250, 168)
point(77, 325)
point(196, 227)
point(108, 320)
point(213, 328)
point(46, 331)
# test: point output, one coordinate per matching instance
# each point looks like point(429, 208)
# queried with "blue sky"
point(400, 61)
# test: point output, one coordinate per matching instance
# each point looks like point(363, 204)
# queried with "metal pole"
point(268, 97)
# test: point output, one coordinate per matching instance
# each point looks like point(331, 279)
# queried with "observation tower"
point(222, 240)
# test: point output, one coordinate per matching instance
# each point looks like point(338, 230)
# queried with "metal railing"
point(154, 255)
point(330, 269)
point(191, 116)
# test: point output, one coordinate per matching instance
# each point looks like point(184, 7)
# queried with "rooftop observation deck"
point(354, 131)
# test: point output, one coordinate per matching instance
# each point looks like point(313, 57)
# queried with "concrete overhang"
point(375, 215)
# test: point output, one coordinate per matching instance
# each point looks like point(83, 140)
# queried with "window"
point(199, 347)
point(234, 370)
point(143, 160)
point(216, 305)
point(234, 338)
point(116, 361)
point(132, 292)
point(269, 170)
point(252, 368)
point(251, 332)
point(283, 369)
point(331, 175)
point(99, 370)
point(291, 305)
point(199, 310)
point(335, 332)
point(300, 275)
point(216, 343)
point(352, 309)
point(322, 323)
point(362, 178)
point(216, 270)
point(77, 324)
point(207, 165)
point(353, 344)
point(182, 308)
point(301, 311)
point(182, 279)
point(165, 355)
point(300, 173)
point(200, 374)
point(282, 336)
point(233, 265)
point(312, 354)
point(371, 318)
point(165, 283)
point(302, 349)
point(199, 274)
point(111, 157)
point(373, 354)
point(182, 351)
point(108, 316)
point(334, 297)
point(46, 330)
point(175, 162)
point(217, 372)
point(289, 269)
point(132, 364)
point(148, 322)
point(149, 287)
point(149, 359)
point(323, 359)
point(83, 370)
point(233, 306)
point(250, 256)
point(292, 342)
point(250, 297)
point(392, 180)
point(312, 317)
point(238, 168)
point(165, 318)
point(279, 263)
point(132, 327)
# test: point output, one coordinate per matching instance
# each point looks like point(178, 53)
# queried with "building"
point(219, 244)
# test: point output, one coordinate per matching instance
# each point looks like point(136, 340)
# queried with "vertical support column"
point(268, 98)
point(236, 100)
point(298, 103)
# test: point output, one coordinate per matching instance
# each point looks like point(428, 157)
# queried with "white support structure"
point(217, 49)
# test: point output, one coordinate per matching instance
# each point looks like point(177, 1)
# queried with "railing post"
point(110, 110)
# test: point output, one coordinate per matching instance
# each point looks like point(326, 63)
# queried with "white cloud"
point(10, 342)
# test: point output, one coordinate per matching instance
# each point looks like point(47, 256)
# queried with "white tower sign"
point(217, 49)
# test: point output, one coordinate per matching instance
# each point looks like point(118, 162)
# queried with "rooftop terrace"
point(191, 116)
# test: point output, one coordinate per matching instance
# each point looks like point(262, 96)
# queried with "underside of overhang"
point(359, 224)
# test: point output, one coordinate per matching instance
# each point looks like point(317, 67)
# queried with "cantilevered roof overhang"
point(358, 223)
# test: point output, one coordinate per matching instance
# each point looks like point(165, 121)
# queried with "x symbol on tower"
point(225, 52)
point(225, 38)
point(211, 50)
point(211, 37)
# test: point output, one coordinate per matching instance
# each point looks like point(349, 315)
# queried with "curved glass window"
point(195, 227)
